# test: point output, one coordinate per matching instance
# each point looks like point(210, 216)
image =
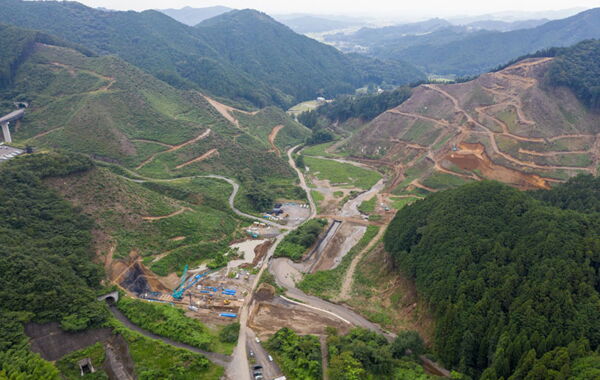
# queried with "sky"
point(357, 7)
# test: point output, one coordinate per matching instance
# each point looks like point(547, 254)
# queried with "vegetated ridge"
point(227, 55)
point(479, 52)
point(512, 281)
point(108, 109)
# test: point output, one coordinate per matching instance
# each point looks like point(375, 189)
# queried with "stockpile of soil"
point(265, 292)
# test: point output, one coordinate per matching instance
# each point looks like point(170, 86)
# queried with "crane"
point(186, 283)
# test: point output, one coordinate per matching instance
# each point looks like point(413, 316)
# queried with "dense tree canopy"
point(577, 68)
point(45, 259)
point(364, 107)
point(581, 193)
point(505, 274)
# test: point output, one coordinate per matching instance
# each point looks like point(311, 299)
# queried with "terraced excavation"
point(445, 135)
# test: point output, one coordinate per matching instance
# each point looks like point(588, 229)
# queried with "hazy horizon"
point(374, 8)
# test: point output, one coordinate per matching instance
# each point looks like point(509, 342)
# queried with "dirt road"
point(349, 276)
point(272, 137)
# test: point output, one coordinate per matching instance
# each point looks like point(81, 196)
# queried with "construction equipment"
point(186, 283)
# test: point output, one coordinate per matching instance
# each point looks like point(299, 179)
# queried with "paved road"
point(218, 359)
point(238, 369)
point(285, 275)
point(235, 185)
point(270, 369)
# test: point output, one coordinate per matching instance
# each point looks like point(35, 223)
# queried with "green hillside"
point(242, 55)
point(45, 260)
point(116, 113)
point(166, 223)
point(286, 60)
point(512, 281)
point(577, 67)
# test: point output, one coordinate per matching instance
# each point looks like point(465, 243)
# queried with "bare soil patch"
point(272, 137)
point(473, 157)
point(203, 157)
point(270, 317)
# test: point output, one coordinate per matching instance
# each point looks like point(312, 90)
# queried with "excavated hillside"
point(506, 126)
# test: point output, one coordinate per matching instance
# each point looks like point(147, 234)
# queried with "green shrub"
point(298, 241)
point(167, 321)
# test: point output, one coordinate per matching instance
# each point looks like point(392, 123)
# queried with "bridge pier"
point(6, 132)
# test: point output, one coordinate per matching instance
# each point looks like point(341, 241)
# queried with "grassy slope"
point(115, 112)
point(337, 172)
point(171, 322)
point(119, 206)
point(327, 283)
point(104, 107)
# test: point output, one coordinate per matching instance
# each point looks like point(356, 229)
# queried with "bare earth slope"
point(505, 126)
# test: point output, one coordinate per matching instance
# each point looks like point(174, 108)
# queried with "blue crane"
point(186, 283)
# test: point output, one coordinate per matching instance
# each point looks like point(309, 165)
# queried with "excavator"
point(186, 283)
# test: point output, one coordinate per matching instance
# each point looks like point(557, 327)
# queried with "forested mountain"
point(506, 26)
point(480, 52)
point(203, 57)
point(192, 16)
point(577, 68)
point(514, 282)
point(17, 44)
point(364, 107)
point(266, 49)
point(390, 33)
point(151, 40)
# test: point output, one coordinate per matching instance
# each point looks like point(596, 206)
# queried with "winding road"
point(219, 359)
point(237, 365)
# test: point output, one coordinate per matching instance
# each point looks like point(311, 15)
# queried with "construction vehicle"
point(186, 283)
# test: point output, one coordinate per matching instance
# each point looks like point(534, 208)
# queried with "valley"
point(229, 199)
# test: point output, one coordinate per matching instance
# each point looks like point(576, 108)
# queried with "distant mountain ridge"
point(506, 26)
point(467, 47)
point(314, 24)
point(286, 59)
point(481, 52)
point(208, 57)
point(193, 16)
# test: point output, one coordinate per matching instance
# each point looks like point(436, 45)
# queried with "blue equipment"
point(185, 284)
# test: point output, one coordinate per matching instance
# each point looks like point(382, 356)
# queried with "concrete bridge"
point(5, 121)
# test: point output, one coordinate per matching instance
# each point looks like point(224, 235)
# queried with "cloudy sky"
point(357, 7)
